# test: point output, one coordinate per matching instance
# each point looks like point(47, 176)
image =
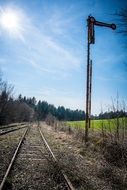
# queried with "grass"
point(109, 124)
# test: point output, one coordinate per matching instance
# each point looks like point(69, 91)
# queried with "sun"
point(11, 22)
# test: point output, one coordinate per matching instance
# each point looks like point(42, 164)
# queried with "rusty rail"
point(11, 125)
point(68, 182)
point(11, 130)
point(12, 161)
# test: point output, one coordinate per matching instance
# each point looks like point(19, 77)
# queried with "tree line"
point(11, 109)
point(111, 115)
point(42, 109)
point(25, 109)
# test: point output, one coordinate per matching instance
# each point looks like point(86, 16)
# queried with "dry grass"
point(102, 164)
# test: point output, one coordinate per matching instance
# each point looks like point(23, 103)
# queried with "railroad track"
point(34, 166)
point(11, 125)
point(5, 130)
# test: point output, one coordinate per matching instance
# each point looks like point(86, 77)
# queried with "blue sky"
point(44, 53)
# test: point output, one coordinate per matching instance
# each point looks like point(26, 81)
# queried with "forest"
point(29, 109)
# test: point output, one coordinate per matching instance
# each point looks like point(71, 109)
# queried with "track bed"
point(33, 167)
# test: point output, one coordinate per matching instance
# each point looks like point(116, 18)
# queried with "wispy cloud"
point(61, 97)
point(39, 47)
point(45, 52)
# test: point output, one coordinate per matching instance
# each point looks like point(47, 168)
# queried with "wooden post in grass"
point(90, 89)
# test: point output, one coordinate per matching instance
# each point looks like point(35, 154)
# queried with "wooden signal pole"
point(91, 22)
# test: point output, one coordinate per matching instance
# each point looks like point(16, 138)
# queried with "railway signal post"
point(91, 22)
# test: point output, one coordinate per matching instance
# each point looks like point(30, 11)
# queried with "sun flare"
point(11, 22)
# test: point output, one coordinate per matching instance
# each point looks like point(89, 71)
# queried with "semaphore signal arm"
point(91, 23)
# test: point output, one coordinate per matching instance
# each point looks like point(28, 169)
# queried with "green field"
point(109, 124)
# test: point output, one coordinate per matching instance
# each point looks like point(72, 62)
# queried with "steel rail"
point(12, 160)
point(9, 126)
point(68, 182)
point(12, 130)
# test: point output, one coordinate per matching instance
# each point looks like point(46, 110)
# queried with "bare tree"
point(12, 110)
point(122, 21)
point(122, 26)
point(5, 95)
